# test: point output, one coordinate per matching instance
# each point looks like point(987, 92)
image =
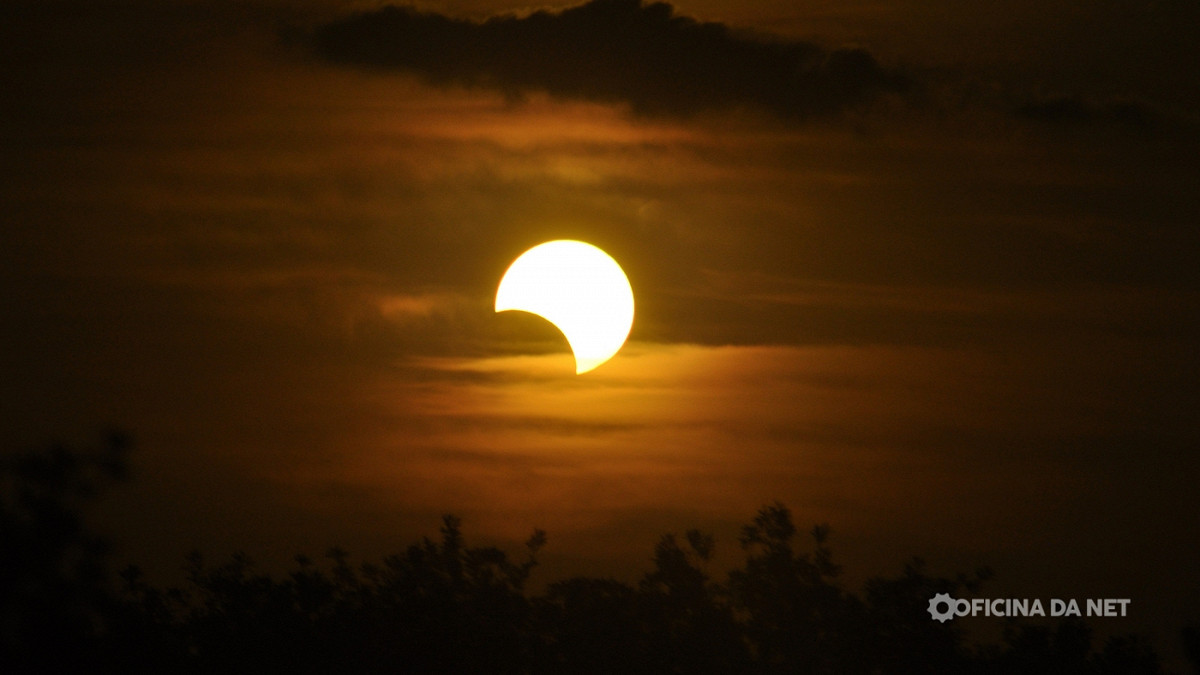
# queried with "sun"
point(578, 288)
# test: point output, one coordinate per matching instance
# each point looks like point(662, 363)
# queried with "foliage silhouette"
point(55, 603)
point(442, 606)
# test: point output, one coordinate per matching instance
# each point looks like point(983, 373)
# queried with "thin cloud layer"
point(614, 51)
point(1076, 111)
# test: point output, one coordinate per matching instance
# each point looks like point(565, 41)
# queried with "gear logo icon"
point(937, 600)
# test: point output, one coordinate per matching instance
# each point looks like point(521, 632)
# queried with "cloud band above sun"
point(614, 51)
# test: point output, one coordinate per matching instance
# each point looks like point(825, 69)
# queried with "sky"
point(920, 270)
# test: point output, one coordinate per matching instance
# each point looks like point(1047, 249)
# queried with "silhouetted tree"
point(55, 603)
point(900, 636)
point(592, 626)
point(1044, 649)
point(1190, 637)
point(440, 607)
point(796, 618)
point(1127, 654)
point(1067, 648)
point(689, 620)
point(444, 607)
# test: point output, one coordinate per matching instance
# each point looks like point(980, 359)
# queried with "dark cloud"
point(1076, 111)
point(614, 51)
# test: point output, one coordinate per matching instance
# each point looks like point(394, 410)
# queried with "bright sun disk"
point(578, 288)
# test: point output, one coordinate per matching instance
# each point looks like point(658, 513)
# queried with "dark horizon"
point(442, 605)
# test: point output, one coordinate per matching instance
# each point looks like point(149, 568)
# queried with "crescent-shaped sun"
point(578, 288)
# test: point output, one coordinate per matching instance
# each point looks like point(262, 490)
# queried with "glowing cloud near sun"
point(578, 288)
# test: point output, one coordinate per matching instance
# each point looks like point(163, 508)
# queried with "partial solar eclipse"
point(578, 288)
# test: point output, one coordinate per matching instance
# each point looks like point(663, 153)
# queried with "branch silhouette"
point(444, 606)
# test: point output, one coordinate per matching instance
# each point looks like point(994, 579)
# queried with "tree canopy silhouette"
point(55, 603)
point(443, 606)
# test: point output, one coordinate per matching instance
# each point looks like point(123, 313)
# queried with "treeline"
point(442, 606)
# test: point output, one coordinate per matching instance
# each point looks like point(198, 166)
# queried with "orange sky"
point(942, 327)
